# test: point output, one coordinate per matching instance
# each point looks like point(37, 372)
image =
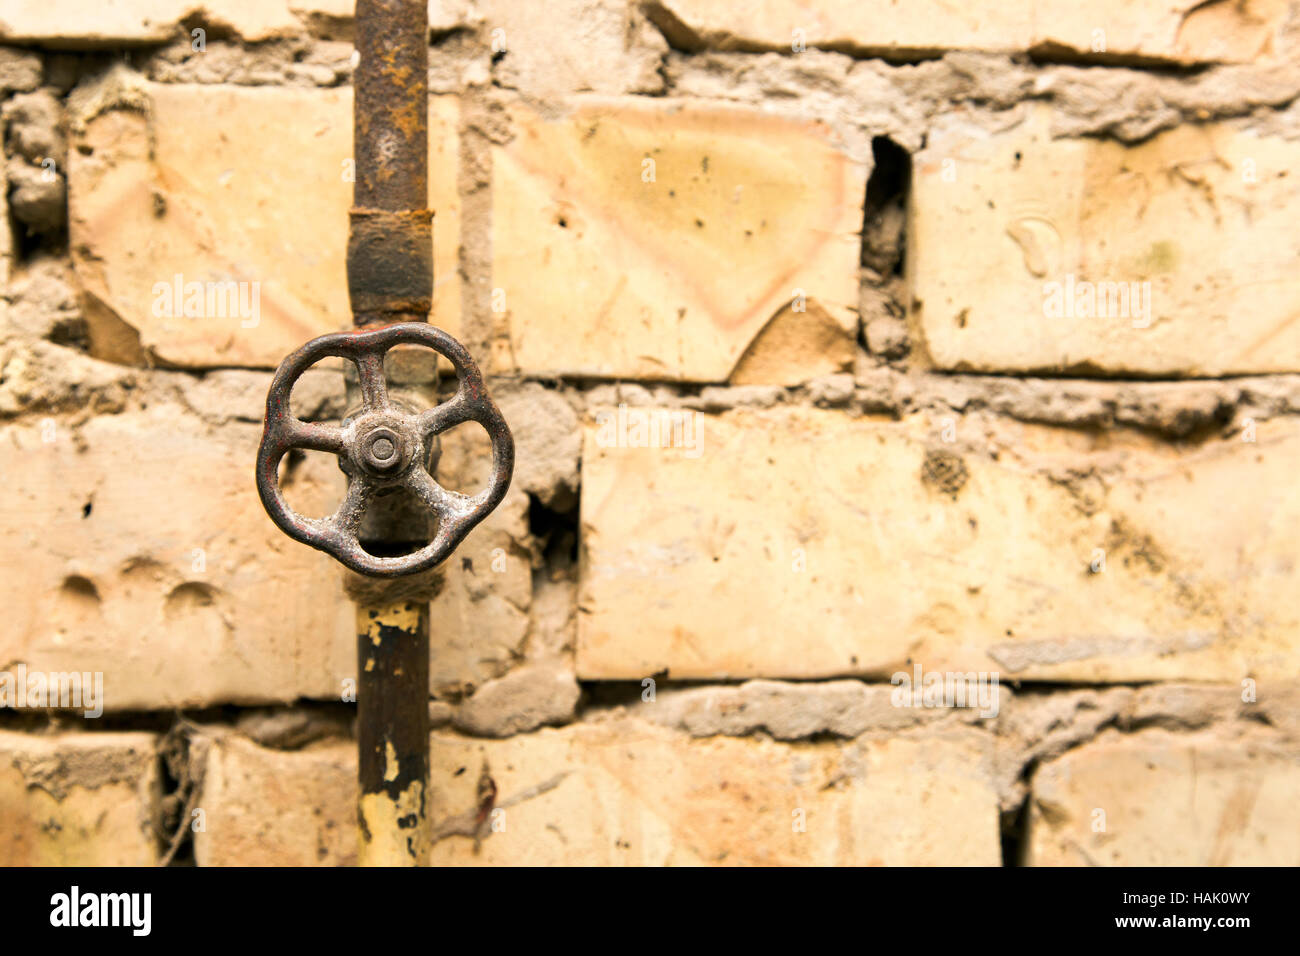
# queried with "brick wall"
point(841, 340)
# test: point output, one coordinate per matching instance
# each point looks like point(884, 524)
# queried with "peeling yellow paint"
point(381, 840)
point(391, 763)
point(404, 615)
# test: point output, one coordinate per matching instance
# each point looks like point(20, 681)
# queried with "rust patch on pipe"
point(390, 264)
point(390, 246)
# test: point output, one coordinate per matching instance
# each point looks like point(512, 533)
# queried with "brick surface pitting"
point(135, 546)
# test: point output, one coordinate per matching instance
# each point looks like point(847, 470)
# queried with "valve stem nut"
point(382, 451)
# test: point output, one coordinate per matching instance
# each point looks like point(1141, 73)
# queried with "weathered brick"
point(1182, 31)
point(163, 182)
point(78, 799)
point(622, 791)
point(264, 807)
point(1005, 224)
point(135, 545)
point(605, 274)
point(1157, 798)
point(564, 46)
point(70, 23)
point(797, 543)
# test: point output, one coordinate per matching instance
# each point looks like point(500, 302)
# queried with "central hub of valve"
point(381, 450)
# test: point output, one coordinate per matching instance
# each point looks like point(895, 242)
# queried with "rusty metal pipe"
point(390, 242)
point(393, 734)
point(390, 279)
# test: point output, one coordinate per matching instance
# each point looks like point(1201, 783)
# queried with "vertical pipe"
point(393, 733)
point(390, 279)
point(390, 243)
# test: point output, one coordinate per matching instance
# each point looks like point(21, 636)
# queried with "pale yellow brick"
point(797, 543)
point(659, 239)
point(1183, 31)
point(74, 23)
point(78, 799)
point(222, 183)
point(135, 545)
point(264, 807)
point(1157, 798)
point(549, 50)
point(623, 791)
point(1202, 214)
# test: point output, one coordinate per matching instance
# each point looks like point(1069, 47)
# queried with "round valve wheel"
point(382, 446)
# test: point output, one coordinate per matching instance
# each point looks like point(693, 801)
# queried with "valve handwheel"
point(382, 446)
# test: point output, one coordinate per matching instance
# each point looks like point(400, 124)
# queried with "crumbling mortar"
point(868, 98)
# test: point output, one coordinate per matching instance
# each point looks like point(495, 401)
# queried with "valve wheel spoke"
point(370, 373)
point(445, 503)
point(315, 436)
point(440, 418)
point(347, 520)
